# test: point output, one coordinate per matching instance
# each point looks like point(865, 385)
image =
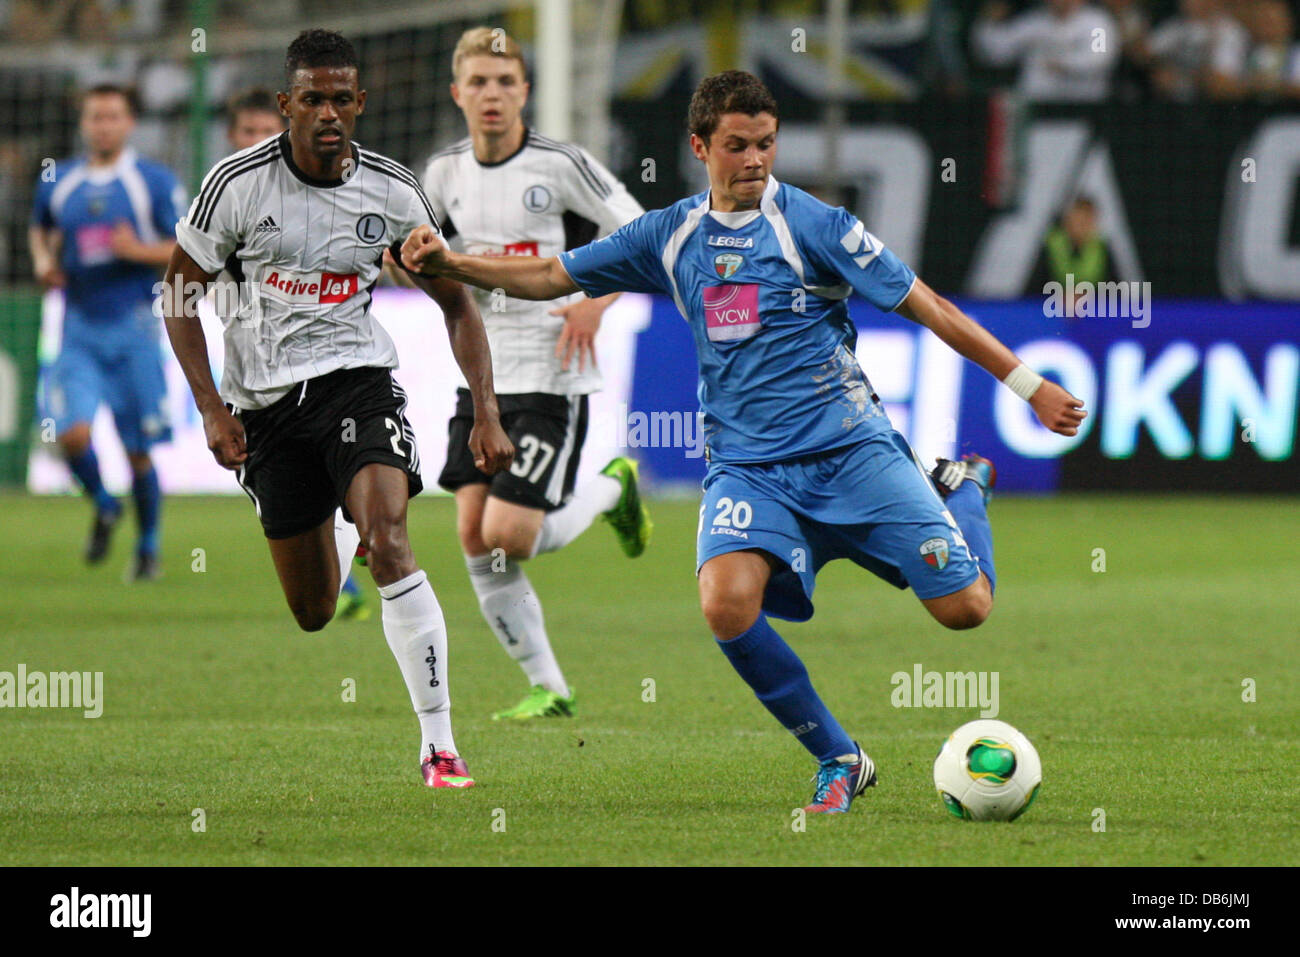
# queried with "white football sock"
point(514, 614)
point(417, 634)
point(563, 525)
point(346, 539)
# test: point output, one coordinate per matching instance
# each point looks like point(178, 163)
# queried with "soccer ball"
point(987, 771)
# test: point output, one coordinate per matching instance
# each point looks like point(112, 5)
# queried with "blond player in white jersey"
point(309, 415)
point(507, 190)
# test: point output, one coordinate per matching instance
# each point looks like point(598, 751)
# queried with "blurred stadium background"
point(957, 141)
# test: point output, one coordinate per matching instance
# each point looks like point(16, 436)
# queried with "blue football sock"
point(967, 507)
point(86, 468)
point(148, 503)
point(780, 680)
point(350, 586)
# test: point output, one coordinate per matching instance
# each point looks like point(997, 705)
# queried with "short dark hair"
point(127, 93)
point(313, 48)
point(258, 99)
point(734, 91)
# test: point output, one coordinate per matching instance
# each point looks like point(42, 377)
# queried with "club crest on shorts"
point(726, 264)
point(935, 553)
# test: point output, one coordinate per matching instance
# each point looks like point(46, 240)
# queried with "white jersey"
point(310, 252)
point(1194, 47)
point(1059, 55)
point(542, 200)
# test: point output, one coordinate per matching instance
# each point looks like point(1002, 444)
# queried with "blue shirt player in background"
point(103, 227)
point(804, 465)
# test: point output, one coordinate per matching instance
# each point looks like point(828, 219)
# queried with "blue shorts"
point(871, 503)
point(119, 363)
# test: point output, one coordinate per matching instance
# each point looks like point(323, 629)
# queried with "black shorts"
point(305, 449)
point(547, 431)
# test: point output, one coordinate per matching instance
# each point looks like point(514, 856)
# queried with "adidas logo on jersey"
point(267, 225)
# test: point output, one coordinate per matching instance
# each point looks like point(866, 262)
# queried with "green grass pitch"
point(1129, 682)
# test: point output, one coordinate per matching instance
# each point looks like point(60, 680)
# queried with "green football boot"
point(352, 606)
point(630, 518)
point(540, 703)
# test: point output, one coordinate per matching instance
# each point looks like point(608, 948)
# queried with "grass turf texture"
point(1128, 682)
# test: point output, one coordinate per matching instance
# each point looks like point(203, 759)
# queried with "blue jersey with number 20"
point(764, 292)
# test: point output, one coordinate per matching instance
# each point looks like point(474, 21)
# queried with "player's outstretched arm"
point(43, 244)
point(128, 246)
point(1055, 408)
point(524, 277)
point(182, 288)
point(491, 448)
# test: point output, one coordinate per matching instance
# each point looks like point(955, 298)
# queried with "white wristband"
point(1023, 381)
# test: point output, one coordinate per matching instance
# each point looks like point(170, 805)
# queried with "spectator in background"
point(12, 168)
point(1131, 18)
point(83, 21)
point(1273, 66)
point(90, 22)
point(1067, 49)
point(34, 22)
point(1200, 52)
point(1074, 248)
point(1239, 10)
point(1131, 77)
point(945, 65)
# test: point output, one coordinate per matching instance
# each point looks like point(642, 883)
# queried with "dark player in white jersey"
point(507, 190)
point(252, 116)
point(312, 418)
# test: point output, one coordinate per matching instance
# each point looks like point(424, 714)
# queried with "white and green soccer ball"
point(987, 771)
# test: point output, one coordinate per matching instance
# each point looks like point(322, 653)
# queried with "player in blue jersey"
point(102, 227)
point(804, 465)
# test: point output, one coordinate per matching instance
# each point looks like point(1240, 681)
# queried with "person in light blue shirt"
point(103, 225)
point(804, 466)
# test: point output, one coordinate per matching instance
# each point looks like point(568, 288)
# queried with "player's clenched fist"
point(424, 251)
point(225, 435)
point(491, 448)
point(1057, 409)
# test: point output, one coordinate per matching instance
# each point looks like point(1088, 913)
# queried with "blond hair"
point(486, 41)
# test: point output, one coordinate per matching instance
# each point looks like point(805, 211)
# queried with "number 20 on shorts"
point(732, 514)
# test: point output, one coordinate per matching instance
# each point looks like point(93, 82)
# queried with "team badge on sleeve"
point(935, 553)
